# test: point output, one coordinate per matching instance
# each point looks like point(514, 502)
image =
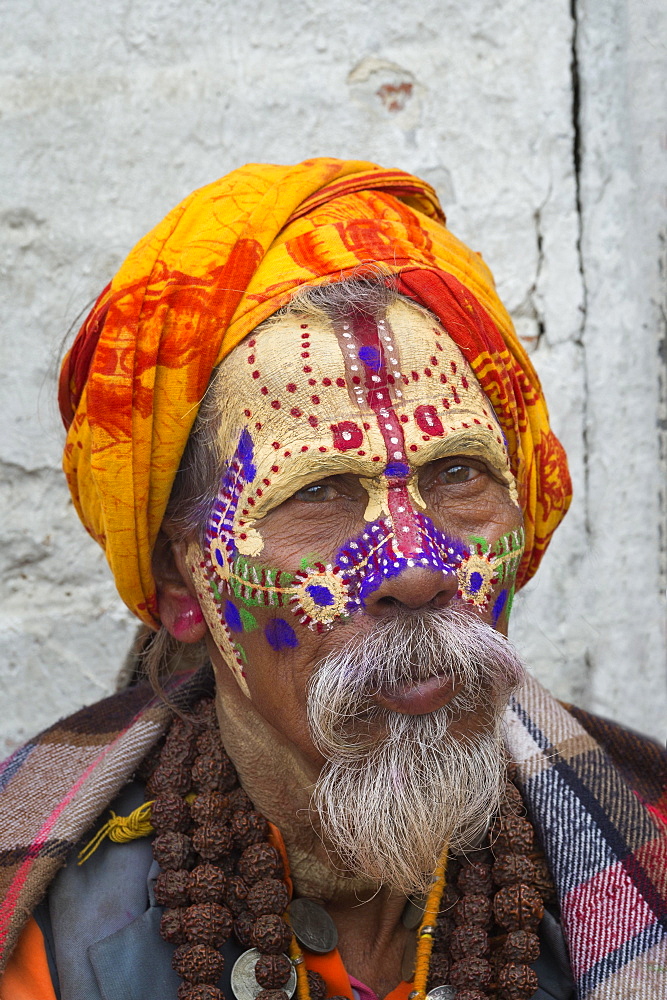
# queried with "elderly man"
point(303, 430)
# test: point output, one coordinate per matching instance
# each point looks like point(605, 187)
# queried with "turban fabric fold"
point(222, 261)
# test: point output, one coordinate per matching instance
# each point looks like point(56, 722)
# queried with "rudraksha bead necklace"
point(221, 876)
point(486, 935)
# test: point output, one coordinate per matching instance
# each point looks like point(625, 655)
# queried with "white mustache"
point(453, 643)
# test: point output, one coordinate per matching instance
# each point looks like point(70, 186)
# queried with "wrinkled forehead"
point(358, 393)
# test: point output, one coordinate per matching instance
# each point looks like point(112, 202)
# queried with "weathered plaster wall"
point(543, 128)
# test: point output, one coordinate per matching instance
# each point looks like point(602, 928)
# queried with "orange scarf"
point(222, 261)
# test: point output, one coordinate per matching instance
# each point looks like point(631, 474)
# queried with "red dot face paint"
point(354, 409)
point(370, 397)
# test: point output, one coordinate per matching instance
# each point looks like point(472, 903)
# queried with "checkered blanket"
point(596, 793)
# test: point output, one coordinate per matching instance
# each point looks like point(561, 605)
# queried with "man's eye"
point(316, 493)
point(457, 474)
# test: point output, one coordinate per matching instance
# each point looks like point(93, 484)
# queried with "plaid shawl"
point(596, 793)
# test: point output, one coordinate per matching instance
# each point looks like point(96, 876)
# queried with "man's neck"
point(280, 781)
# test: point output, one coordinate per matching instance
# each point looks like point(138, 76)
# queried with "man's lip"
point(419, 698)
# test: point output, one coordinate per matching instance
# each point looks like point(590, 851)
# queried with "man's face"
point(366, 475)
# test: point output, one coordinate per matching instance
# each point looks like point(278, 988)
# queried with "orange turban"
point(221, 262)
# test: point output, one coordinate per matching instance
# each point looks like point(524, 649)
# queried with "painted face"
point(357, 450)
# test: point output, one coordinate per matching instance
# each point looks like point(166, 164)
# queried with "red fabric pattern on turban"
point(222, 261)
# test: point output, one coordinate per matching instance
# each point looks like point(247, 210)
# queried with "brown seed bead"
point(272, 971)
point(209, 743)
point(471, 995)
point(259, 861)
point(212, 841)
point(170, 812)
point(236, 894)
point(207, 884)
point(211, 773)
point(438, 970)
point(469, 940)
point(172, 850)
point(518, 907)
point(271, 934)
point(317, 987)
point(543, 881)
point(239, 801)
point(188, 991)
point(244, 928)
point(515, 834)
point(208, 923)
point(517, 982)
point(169, 777)
point(267, 896)
point(271, 995)
point(248, 828)
point(520, 946)
point(179, 749)
point(172, 888)
point(513, 802)
point(171, 925)
point(198, 963)
point(510, 869)
point(475, 878)
point(229, 779)
point(443, 932)
point(211, 807)
point(473, 909)
point(470, 973)
point(450, 897)
point(176, 755)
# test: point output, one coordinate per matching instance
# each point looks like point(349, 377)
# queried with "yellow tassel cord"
point(121, 829)
point(302, 988)
point(427, 928)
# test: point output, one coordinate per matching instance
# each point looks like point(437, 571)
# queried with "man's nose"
point(415, 587)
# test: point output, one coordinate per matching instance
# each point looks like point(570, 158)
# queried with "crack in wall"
point(539, 315)
point(529, 309)
point(662, 417)
point(580, 337)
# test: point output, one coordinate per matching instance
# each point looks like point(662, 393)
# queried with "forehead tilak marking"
point(368, 344)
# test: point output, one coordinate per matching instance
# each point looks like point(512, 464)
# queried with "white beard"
point(389, 803)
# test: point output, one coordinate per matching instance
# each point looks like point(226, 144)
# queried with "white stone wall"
point(543, 127)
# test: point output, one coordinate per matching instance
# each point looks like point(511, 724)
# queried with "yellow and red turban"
point(222, 261)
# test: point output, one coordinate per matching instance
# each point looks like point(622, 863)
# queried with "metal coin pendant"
point(313, 927)
point(441, 993)
point(244, 984)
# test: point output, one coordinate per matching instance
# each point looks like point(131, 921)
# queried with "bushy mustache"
point(407, 647)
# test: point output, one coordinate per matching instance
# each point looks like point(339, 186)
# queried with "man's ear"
point(176, 597)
